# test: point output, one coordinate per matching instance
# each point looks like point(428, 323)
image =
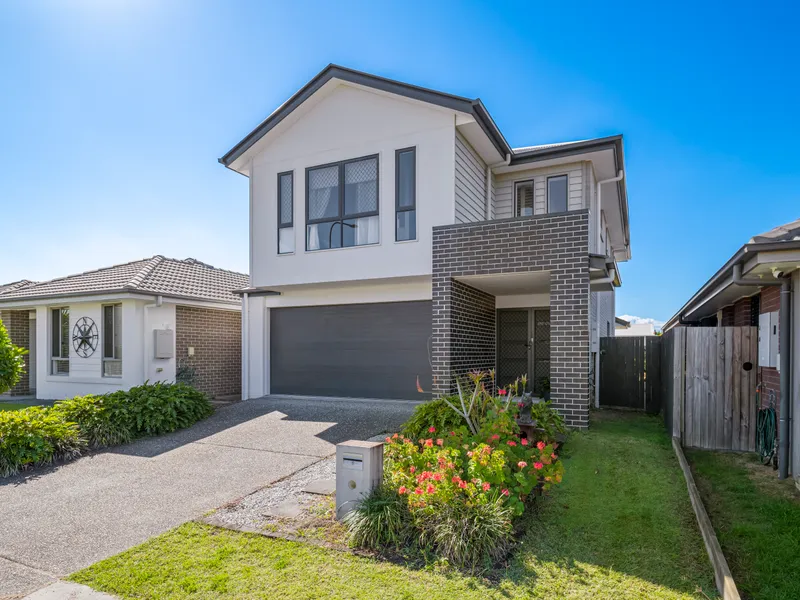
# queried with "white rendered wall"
point(351, 123)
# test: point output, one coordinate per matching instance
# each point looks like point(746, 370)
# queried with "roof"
point(782, 237)
point(15, 285)
point(622, 322)
point(188, 279)
point(546, 146)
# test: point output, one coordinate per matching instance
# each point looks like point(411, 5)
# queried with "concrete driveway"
point(66, 517)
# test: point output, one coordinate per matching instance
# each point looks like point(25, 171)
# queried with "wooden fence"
point(708, 386)
point(630, 372)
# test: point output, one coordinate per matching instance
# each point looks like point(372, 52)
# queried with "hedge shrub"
point(11, 361)
point(35, 436)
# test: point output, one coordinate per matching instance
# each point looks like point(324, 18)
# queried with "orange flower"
point(429, 443)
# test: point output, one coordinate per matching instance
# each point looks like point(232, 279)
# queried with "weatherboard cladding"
point(470, 183)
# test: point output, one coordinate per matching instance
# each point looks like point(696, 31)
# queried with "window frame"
point(547, 192)
point(341, 215)
point(397, 208)
point(114, 306)
point(290, 224)
point(521, 182)
point(62, 311)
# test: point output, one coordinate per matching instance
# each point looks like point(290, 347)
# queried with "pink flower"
point(502, 392)
point(418, 492)
point(431, 429)
point(388, 440)
point(537, 465)
point(412, 469)
point(429, 443)
point(554, 456)
point(520, 405)
point(486, 486)
point(522, 464)
point(495, 437)
point(524, 441)
point(462, 484)
point(440, 442)
point(456, 479)
point(504, 492)
point(469, 453)
point(540, 445)
point(402, 489)
point(437, 476)
point(512, 443)
point(430, 489)
point(394, 437)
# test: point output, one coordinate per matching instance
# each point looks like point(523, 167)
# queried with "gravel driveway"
point(64, 518)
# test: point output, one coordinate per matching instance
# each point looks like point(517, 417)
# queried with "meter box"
point(163, 343)
point(359, 469)
point(768, 333)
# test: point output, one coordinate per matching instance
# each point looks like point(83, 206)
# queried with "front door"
point(523, 347)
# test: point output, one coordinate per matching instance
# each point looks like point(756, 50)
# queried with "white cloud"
point(656, 323)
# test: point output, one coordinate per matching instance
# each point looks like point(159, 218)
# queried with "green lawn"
point(757, 520)
point(620, 527)
point(12, 405)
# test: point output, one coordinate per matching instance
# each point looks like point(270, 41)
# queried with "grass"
point(757, 520)
point(13, 405)
point(620, 527)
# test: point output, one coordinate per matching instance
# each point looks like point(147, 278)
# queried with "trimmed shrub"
point(433, 413)
point(33, 436)
point(381, 520)
point(11, 361)
point(100, 419)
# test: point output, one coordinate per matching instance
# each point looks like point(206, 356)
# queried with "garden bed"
point(619, 527)
point(757, 521)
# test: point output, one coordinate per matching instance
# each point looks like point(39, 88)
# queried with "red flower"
point(504, 492)
point(502, 392)
point(402, 490)
point(520, 405)
point(412, 469)
point(462, 484)
point(440, 442)
point(456, 479)
point(512, 443)
point(540, 445)
point(430, 489)
point(495, 437)
point(418, 492)
point(452, 433)
point(429, 443)
point(524, 441)
point(437, 476)
point(486, 486)
point(537, 465)
point(554, 456)
point(431, 429)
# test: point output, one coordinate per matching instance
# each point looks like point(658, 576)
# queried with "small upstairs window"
point(59, 341)
point(524, 199)
point(557, 192)
point(112, 340)
point(406, 194)
point(286, 212)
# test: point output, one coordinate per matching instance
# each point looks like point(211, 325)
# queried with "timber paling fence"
point(703, 379)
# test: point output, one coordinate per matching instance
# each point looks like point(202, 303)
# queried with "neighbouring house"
point(396, 238)
point(747, 290)
point(627, 329)
point(155, 319)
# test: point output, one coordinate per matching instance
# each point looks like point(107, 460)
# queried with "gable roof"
point(14, 285)
point(187, 279)
point(458, 103)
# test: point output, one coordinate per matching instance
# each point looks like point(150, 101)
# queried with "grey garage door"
point(352, 350)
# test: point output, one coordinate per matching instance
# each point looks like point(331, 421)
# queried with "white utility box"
point(163, 343)
point(359, 469)
point(768, 333)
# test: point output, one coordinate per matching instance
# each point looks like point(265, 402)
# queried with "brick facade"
point(472, 334)
point(17, 323)
point(557, 243)
point(742, 314)
point(216, 336)
point(769, 377)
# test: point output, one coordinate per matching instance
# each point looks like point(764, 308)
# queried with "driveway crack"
point(265, 450)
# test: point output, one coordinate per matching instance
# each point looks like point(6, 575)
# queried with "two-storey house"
point(397, 238)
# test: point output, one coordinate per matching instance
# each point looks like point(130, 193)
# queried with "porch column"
point(464, 334)
point(569, 341)
point(17, 323)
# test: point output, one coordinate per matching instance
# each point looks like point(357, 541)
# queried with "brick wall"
point(728, 314)
point(741, 313)
point(216, 336)
point(769, 377)
point(557, 243)
point(17, 323)
point(472, 332)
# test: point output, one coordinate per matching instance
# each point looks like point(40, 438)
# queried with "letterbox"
point(359, 469)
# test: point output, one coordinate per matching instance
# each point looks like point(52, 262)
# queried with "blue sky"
point(113, 114)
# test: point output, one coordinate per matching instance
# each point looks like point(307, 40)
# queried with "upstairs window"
point(406, 194)
point(523, 192)
point(112, 340)
point(59, 341)
point(557, 191)
point(286, 212)
point(342, 204)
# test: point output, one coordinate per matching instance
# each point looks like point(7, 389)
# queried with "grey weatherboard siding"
point(558, 243)
point(352, 350)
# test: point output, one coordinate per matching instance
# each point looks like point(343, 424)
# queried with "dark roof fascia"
point(612, 142)
point(457, 103)
point(256, 292)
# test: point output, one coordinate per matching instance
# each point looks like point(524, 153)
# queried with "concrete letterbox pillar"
point(359, 469)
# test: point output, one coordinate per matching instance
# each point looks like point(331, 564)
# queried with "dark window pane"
point(322, 236)
point(361, 187)
point(557, 194)
point(55, 332)
point(64, 333)
point(108, 332)
point(406, 225)
point(286, 199)
point(525, 199)
point(323, 193)
point(406, 176)
point(118, 331)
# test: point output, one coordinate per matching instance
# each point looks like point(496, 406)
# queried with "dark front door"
point(523, 346)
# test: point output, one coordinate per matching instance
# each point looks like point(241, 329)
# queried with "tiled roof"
point(15, 285)
point(188, 278)
point(789, 232)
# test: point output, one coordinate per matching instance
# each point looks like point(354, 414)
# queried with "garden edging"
point(722, 573)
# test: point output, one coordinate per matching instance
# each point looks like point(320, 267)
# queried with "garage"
point(351, 350)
